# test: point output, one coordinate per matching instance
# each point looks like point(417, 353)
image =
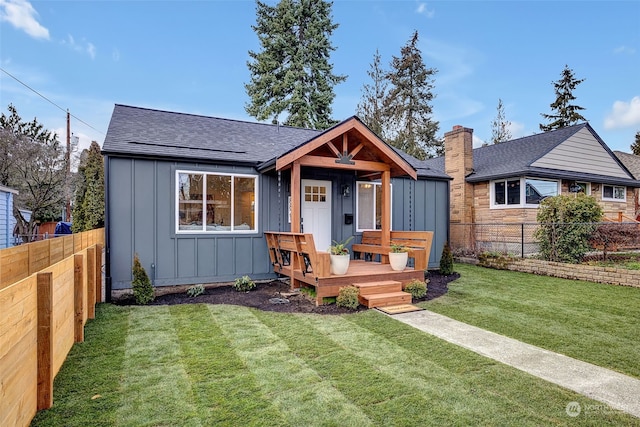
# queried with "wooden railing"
point(618, 217)
point(42, 314)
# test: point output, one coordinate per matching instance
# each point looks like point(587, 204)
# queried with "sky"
point(191, 57)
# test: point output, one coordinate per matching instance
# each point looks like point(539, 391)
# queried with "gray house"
point(7, 221)
point(193, 195)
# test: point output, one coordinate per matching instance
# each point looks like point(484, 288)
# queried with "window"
point(581, 187)
point(616, 193)
point(521, 192)
point(369, 206)
point(209, 202)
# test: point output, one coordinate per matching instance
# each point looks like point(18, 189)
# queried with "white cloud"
point(22, 15)
point(82, 47)
point(516, 129)
point(623, 114)
point(423, 10)
point(624, 50)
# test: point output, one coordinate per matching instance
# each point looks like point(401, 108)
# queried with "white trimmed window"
point(521, 192)
point(585, 187)
point(368, 206)
point(215, 203)
point(614, 193)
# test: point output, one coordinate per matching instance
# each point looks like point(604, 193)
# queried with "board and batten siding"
point(142, 220)
point(580, 153)
point(422, 205)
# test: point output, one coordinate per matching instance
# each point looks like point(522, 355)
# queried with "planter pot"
point(398, 260)
point(339, 264)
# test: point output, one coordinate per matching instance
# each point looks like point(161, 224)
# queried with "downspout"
point(107, 233)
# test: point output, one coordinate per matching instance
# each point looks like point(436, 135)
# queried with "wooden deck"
point(294, 255)
point(359, 272)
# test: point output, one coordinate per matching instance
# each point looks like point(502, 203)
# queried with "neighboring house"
point(7, 221)
point(504, 183)
point(193, 195)
point(632, 163)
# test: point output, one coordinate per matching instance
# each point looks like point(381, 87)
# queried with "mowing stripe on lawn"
point(298, 391)
point(156, 389)
point(224, 390)
point(409, 382)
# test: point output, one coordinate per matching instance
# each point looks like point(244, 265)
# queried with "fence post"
point(522, 241)
point(91, 282)
point(78, 300)
point(98, 273)
point(45, 341)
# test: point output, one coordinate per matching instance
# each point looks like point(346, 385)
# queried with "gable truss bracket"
point(345, 159)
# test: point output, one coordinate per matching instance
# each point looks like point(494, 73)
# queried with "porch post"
point(295, 197)
point(385, 221)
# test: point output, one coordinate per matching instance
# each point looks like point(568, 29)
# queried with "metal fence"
point(521, 239)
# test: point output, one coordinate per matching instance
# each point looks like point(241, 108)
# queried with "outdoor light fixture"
point(575, 188)
point(346, 190)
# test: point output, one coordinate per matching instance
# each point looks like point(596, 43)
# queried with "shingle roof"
point(514, 158)
point(136, 131)
point(630, 161)
point(147, 132)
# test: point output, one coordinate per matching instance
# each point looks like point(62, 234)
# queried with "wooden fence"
point(42, 313)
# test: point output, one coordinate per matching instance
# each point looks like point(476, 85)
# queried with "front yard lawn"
point(592, 322)
point(220, 365)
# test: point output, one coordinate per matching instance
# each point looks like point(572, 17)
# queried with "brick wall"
point(590, 273)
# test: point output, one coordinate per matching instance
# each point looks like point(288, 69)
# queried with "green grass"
point(215, 365)
point(592, 322)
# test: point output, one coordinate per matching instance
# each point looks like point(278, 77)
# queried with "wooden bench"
point(290, 252)
point(418, 242)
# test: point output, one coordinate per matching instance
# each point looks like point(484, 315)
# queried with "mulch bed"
point(262, 297)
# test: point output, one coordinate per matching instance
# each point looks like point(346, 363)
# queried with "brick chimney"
point(458, 163)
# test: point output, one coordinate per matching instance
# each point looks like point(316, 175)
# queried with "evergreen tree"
point(292, 75)
point(564, 113)
point(635, 147)
point(88, 206)
point(408, 104)
point(500, 126)
point(371, 106)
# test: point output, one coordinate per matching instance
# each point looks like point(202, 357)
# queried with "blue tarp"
point(63, 228)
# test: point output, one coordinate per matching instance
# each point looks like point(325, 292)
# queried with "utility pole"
point(67, 159)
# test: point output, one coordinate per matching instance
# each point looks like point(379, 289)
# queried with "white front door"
point(316, 211)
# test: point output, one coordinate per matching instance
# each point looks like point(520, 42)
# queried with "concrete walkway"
point(616, 390)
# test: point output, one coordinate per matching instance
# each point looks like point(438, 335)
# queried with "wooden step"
point(382, 300)
point(379, 287)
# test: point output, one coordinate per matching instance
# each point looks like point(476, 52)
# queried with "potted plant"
point(398, 257)
point(339, 255)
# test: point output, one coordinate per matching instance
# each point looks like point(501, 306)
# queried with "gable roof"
point(349, 144)
point(537, 155)
point(148, 133)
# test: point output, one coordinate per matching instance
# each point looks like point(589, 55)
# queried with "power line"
point(48, 100)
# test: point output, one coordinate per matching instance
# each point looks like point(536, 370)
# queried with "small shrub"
point(446, 260)
point(195, 290)
point(417, 288)
point(142, 289)
point(244, 284)
point(348, 297)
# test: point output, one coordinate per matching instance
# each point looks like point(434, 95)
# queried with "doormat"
point(397, 309)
